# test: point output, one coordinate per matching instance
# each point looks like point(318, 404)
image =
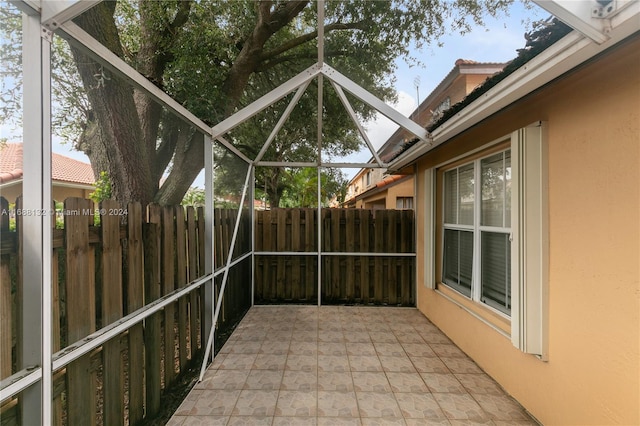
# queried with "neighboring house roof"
point(537, 41)
point(427, 112)
point(63, 169)
point(381, 186)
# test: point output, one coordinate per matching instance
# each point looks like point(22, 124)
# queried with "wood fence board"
point(80, 319)
point(192, 245)
point(6, 321)
point(201, 270)
point(296, 284)
point(407, 231)
point(111, 312)
point(152, 330)
point(18, 302)
point(310, 229)
point(135, 300)
point(167, 286)
point(365, 238)
point(56, 343)
point(281, 245)
point(181, 281)
point(337, 283)
point(350, 233)
point(227, 233)
point(378, 292)
point(392, 247)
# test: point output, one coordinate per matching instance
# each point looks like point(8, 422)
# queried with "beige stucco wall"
point(401, 189)
point(60, 193)
point(593, 370)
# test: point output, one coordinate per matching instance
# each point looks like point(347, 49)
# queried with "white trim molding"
point(530, 245)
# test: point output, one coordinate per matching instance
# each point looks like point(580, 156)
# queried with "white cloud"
point(380, 128)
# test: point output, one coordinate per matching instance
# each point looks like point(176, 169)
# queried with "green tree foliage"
point(194, 197)
point(103, 188)
point(301, 187)
point(217, 56)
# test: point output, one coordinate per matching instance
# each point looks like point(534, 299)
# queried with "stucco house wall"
point(592, 374)
point(59, 191)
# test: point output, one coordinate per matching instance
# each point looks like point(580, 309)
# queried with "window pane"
point(451, 196)
point(496, 190)
point(458, 260)
point(493, 191)
point(466, 194)
point(496, 270)
point(507, 177)
point(403, 203)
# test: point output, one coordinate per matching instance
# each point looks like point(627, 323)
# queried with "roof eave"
point(564, 55)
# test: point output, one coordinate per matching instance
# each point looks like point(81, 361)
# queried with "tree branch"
point(295, 42)
point(284, 13)
point(184, 8)
point(265, 66)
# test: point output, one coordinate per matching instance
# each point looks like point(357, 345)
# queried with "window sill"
point(489, 316)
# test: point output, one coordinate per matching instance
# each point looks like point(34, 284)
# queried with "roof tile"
point(63, 168)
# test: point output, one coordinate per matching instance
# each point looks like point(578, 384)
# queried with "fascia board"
point(10, 183)
point(73, 185)
point(569, 52)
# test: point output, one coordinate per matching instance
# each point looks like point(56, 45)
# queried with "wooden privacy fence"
point(368, 279)
point(101, 272)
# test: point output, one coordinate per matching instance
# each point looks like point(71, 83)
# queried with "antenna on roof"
point(416, 84)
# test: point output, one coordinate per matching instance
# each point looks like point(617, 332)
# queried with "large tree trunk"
point(187, 164)
point(122, 137)
point(116, 143)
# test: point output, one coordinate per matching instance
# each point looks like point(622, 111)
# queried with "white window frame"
point(476, 229)
point(530, 238)
point(530, 246)
point(404, 201)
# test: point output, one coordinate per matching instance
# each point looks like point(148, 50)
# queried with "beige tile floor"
point(334, 365)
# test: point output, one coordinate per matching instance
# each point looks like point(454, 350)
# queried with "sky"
point(496, 41)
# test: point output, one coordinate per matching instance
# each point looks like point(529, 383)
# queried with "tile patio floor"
point(304, 365)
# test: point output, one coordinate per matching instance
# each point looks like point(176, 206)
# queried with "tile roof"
point(63, 169)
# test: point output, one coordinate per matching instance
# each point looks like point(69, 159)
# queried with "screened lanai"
point(66, 342)
point(31, 377)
